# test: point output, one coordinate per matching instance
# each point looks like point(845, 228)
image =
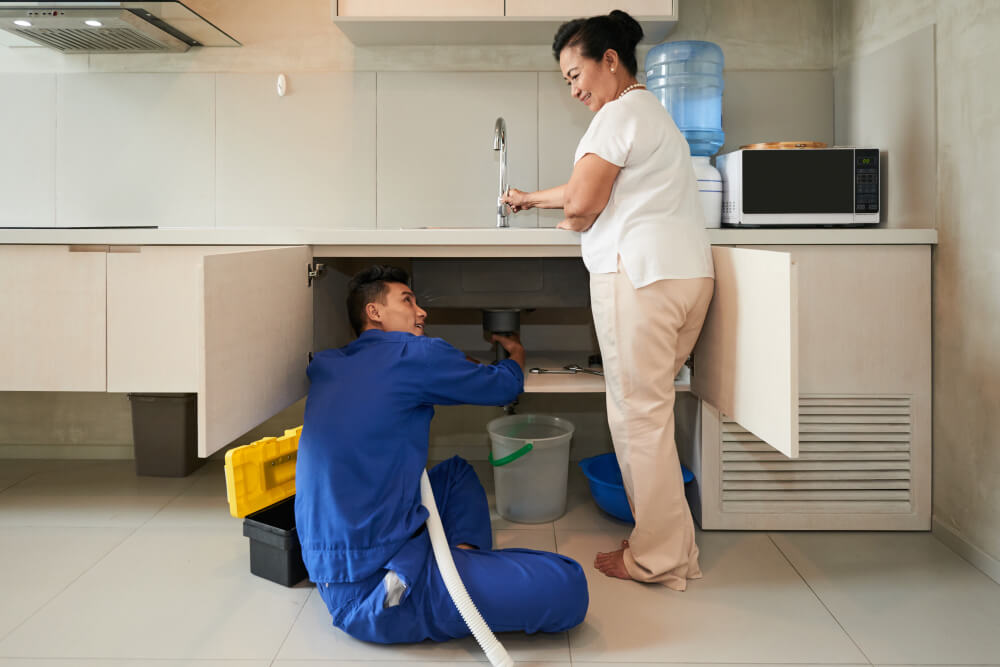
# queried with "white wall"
point(373, 136)
point(966, 164)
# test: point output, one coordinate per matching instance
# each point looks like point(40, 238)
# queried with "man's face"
point(400, 311)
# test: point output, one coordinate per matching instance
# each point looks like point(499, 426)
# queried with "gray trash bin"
point(165, 433)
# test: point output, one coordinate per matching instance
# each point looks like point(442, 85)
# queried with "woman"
point(634, 197)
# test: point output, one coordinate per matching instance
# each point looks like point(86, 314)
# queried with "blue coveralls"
point(358, 514)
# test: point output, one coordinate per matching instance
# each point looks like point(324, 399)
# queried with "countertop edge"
point(502, 241)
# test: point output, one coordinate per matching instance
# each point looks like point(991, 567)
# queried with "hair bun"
point(628, 25)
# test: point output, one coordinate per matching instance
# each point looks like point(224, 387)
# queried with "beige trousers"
point(645, 336)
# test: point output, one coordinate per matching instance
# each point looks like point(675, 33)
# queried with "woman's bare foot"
point(612, 563)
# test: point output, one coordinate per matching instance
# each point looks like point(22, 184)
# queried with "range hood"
point(88, 26)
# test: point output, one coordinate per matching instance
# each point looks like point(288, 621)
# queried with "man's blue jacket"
point(364, 444)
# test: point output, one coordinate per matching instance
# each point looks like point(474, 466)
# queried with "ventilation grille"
point(80, 40)
point(854, 457)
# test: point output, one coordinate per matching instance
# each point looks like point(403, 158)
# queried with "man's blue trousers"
point(514, 589)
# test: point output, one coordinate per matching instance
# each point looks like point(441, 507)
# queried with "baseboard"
point(989, 565)
point(113, 452)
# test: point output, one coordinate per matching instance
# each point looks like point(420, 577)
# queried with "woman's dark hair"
point(617, 31)
point(367, 287)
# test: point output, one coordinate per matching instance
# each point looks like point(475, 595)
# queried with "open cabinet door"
point(746, 360)
point(256, 338)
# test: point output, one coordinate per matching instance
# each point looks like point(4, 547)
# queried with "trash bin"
point(530, 458)
point(165, 433)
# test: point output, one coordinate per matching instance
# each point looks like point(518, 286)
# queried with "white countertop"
point(439, 241)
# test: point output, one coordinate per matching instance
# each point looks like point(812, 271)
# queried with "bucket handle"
point(510, 457)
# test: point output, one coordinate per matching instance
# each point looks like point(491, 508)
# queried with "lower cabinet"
point(863, 406)
point(810, 403)
point(53, 333)
point(232, 324)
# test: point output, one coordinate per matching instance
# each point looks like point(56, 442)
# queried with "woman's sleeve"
point(611, 136)
point(451, 379)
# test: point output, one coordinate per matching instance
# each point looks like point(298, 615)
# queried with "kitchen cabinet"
point(810, 400)
point(479, 22)
point(861, 418)
point(640, 9)
point(53, 336)
point(419, 8)
point(233, 325)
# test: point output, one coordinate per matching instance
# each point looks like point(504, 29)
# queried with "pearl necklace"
point(632, 87)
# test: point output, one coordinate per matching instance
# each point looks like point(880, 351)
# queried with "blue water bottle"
point(687, 79)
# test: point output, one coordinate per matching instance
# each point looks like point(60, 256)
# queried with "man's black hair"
point(596, 35)
point(369, 286)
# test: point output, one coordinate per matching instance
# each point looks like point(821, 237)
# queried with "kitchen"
point(372, 139)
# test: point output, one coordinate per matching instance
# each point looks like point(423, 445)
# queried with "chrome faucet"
point(500, 144)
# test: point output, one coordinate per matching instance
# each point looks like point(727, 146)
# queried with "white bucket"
point(530, 457)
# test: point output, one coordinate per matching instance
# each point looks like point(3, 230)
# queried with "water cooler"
point(687, 78)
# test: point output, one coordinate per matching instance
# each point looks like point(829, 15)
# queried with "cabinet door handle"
point(88, 248)
point(125, 248)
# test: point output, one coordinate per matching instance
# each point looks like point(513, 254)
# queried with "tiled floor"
point(100, 567)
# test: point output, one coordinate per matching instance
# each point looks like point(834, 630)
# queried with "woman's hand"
point(517, 200)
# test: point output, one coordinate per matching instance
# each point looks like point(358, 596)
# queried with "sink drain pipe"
point(491, 646)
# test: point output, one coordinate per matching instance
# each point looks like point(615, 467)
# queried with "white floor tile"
point(903, 597)
point(37, 563)
point(103, 662)
point(104, 478)
point(396, 663)
point(14, 471)
point(97, 511)
point(751, 606)
point(314, 638)
point(180, 593)
point(524, 539)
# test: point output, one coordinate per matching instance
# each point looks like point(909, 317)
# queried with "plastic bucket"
point(606, 486)
point(530, 458)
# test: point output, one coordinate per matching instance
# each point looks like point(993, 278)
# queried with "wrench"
point(580, 369)
point(563, 371)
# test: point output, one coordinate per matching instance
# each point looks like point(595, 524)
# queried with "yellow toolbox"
point(260, 486)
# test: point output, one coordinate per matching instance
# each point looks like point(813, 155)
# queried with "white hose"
point(494, 650)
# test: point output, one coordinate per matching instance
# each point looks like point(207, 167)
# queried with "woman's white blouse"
point(654, 218)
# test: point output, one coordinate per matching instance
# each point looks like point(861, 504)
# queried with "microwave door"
point(798, 188)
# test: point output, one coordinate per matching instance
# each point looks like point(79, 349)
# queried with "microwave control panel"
point(866, 185)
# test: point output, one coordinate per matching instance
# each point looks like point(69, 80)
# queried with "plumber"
point(363, 448)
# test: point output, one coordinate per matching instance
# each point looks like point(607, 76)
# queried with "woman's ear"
point(611, 59)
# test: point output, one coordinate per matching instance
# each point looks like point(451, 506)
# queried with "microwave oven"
point(808, 187)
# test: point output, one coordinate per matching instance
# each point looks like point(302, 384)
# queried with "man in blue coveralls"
point(363, 447)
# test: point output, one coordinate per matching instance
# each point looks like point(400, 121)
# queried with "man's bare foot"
point(612, 563)
point(467, 546)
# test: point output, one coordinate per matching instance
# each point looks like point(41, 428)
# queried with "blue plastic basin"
point(605, 479)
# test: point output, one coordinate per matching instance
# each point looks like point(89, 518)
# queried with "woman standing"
point(633, 195)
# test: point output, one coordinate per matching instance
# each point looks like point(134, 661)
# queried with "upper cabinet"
point(417, 8)
point(479, 22)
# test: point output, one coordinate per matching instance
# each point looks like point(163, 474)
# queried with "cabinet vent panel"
point(854, 457)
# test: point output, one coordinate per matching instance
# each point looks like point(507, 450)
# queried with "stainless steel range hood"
point(86, 26)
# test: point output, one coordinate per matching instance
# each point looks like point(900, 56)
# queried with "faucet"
point(500, 144)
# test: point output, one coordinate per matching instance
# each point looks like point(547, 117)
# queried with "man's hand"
point(512, 344)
